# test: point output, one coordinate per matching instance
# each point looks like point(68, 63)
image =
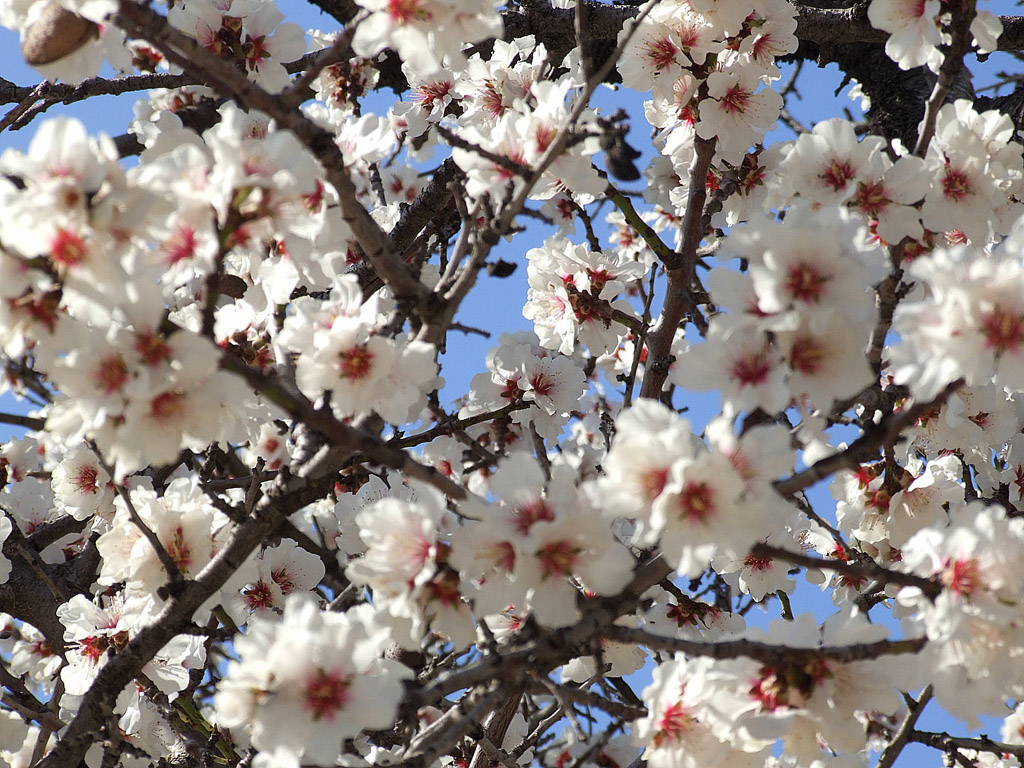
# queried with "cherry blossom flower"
point(675, 733)
point(307, 704)
point(29, 504)
point(914, 35)
point(280, 571)
point(649, 439)
point(700, 513)
point(971, 325)
point(405, 564)
point(31, 655)
point(82, 486)
point(826, 359)
point(249, 33)
point(749, 374)
point(964, 142)
point(737, 113)
point(825, 165)
point(576, 543)
point(401, 542)
point(656, 50)
point(757, 576)
point(771, 33)
point(962, 191)
point(521, 371)
point(340, 352)
point(887, 198)
point(95, 630)
point(798, 269)
point(572, 295)
point(426, 33)
point(490, 87)
point(620, 659)
point(184, 523)
point(969, 622)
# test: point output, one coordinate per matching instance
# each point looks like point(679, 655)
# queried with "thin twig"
point(865, 570)
point(866, 446)
point(952, 63)
point(902, 737)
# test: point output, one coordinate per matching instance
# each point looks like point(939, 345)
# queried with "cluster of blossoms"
point(303, 705)
point(520, 372)
point(708, 67)
point(916, 30)
point(696, 504)
point(799, 318)
point(730, 713)
point(572, 296)
point(242, 476)
point(967, 320)
point(341, 352)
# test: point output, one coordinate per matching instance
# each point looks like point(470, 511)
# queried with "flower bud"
point(55, 34)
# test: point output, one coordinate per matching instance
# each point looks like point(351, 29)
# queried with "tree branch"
point(679, 299)
point(221, 75)
point(902, 737)
point(864, 447)
point(764, 652)
point(286, 497)
point(866, 570)
point(341, 435)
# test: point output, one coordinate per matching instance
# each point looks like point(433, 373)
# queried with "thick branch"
point(221, 75)
point(678, 299)
point(764, 652)
point(285, 498)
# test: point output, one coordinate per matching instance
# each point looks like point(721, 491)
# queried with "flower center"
point(1003, 329)
point(68, 249)
point(674, 725)
point(955, 184)
point(326, 693)
point(696, 502)
point(558, 558)
point(355, 363)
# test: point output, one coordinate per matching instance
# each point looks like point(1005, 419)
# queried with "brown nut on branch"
point(55, 34)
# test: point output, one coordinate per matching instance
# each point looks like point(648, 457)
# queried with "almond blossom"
point(250, 33)
point(425, 32)
point(572, 294)
point(280, 571)
point(737, 112)
point(915, 36)
point(183, 522)
point(675, 733)
point(825, 165)
point(95, 630)
point(308, 703)
point(975, 322)
point(968, 621)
